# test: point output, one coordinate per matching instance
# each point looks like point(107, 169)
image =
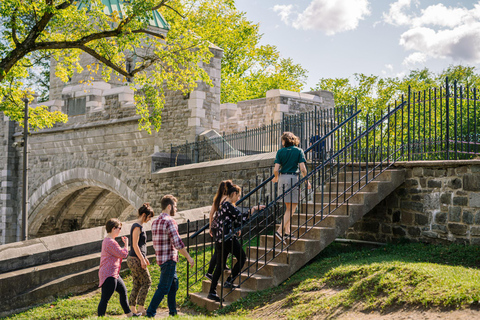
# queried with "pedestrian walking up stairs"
point(346, 183)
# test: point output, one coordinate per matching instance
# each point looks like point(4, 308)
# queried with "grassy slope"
point(395, 275)
point(391, 276)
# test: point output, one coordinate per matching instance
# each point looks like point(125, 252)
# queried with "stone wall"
point(439, 202)
point(9, 225)
point(259, 112)
point(195, 185)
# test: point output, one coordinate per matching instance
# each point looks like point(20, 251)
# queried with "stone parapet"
point(439, 203)
point(271, 109)
point(195, 184)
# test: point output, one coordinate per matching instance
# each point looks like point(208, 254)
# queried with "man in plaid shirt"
point(167, 244)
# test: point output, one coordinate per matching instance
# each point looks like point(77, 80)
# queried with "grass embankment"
point(405, 275)
point(341, 277)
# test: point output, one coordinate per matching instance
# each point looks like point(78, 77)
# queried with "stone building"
point(98, 165)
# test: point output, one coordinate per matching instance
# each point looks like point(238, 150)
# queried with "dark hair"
point(166, 200)
point(233, 188)
point(290, 139)
point(112, 223)
point(146, 210)
point(222, 190)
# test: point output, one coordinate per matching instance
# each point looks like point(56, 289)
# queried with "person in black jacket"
point(229, 218)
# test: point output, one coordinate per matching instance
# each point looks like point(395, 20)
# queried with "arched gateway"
point(79, 198)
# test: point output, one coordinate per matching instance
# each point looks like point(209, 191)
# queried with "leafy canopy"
point(38, 30)
point(32, 33)
point(249, 69)
point(374, 94)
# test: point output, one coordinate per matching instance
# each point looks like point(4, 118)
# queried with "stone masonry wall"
point(259, 112)
point(439, 202)
point(8, 170)
point(195, 185)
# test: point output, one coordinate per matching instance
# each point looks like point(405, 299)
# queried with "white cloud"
point(437, 31)
point(284, 12)
point(326, 15)
point(389, 67)
point(414, 58)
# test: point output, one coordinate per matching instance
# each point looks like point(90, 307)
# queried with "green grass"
point(388, 277)
point(86, 306)
point(341, 277)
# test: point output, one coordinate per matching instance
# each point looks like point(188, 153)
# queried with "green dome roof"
point(116, 5)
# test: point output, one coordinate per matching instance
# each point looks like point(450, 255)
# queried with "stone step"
point(341, 186)
point(200, 299)
point(384, 176)
point(261, 253)
point(228, 294)
point(301, 245)
point(327, 197)
point(310, 232)
point(339, 210)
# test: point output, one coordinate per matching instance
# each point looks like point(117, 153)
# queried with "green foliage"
point(32, 33)
point(249, 69)
point(60, 30)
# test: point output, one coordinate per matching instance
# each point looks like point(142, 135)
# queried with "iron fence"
point(307, 126)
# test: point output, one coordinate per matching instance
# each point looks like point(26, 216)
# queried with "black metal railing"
point(263, 192)
point(357, 151)
point(259, 140)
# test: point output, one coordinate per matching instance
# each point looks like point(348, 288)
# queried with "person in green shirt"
point(287, 162)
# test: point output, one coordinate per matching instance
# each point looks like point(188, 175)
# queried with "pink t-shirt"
point(110, 259)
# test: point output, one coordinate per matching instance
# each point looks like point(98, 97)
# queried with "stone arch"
point(53, 199)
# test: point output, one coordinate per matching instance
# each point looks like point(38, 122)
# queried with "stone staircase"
point(311, 243)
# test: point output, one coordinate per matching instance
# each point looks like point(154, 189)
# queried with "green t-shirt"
point(289, 158)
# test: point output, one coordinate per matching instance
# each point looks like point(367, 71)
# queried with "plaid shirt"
point(166, 240)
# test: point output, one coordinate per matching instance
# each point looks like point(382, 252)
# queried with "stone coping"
point(22, 254)
point(437, 163)
point(79, 126)
point(238, 163)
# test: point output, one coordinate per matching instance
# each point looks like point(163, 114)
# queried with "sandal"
point(279, 236)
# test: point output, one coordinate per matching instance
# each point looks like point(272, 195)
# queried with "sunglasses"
point(119, 228)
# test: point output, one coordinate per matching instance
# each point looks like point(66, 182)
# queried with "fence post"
point(455, 117)
point(245, 141)
point(408, 123)
point(447, 119)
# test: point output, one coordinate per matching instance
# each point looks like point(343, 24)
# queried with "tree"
point(249, 69)
point(64, 29)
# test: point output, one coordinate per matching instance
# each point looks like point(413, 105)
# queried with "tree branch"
point(157, 35)
point(14, 27)
point(174, 10)
point(101, 58)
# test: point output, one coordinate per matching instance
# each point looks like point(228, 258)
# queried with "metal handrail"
point(321, 140)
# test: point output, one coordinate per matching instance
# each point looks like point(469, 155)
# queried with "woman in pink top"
point(109, 272)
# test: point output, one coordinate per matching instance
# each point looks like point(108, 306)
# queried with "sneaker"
point(137, 314)
point(214, 297)
point(209, 276)
point(229, 285)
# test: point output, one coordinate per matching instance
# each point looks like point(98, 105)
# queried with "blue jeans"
point(168, 285)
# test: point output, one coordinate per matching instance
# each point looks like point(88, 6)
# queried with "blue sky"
point(337, 38)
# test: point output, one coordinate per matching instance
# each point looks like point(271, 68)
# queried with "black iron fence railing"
point(307, 126)
point(263, 220)
point(356, 151)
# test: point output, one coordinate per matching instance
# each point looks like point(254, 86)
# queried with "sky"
point(388, 38)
